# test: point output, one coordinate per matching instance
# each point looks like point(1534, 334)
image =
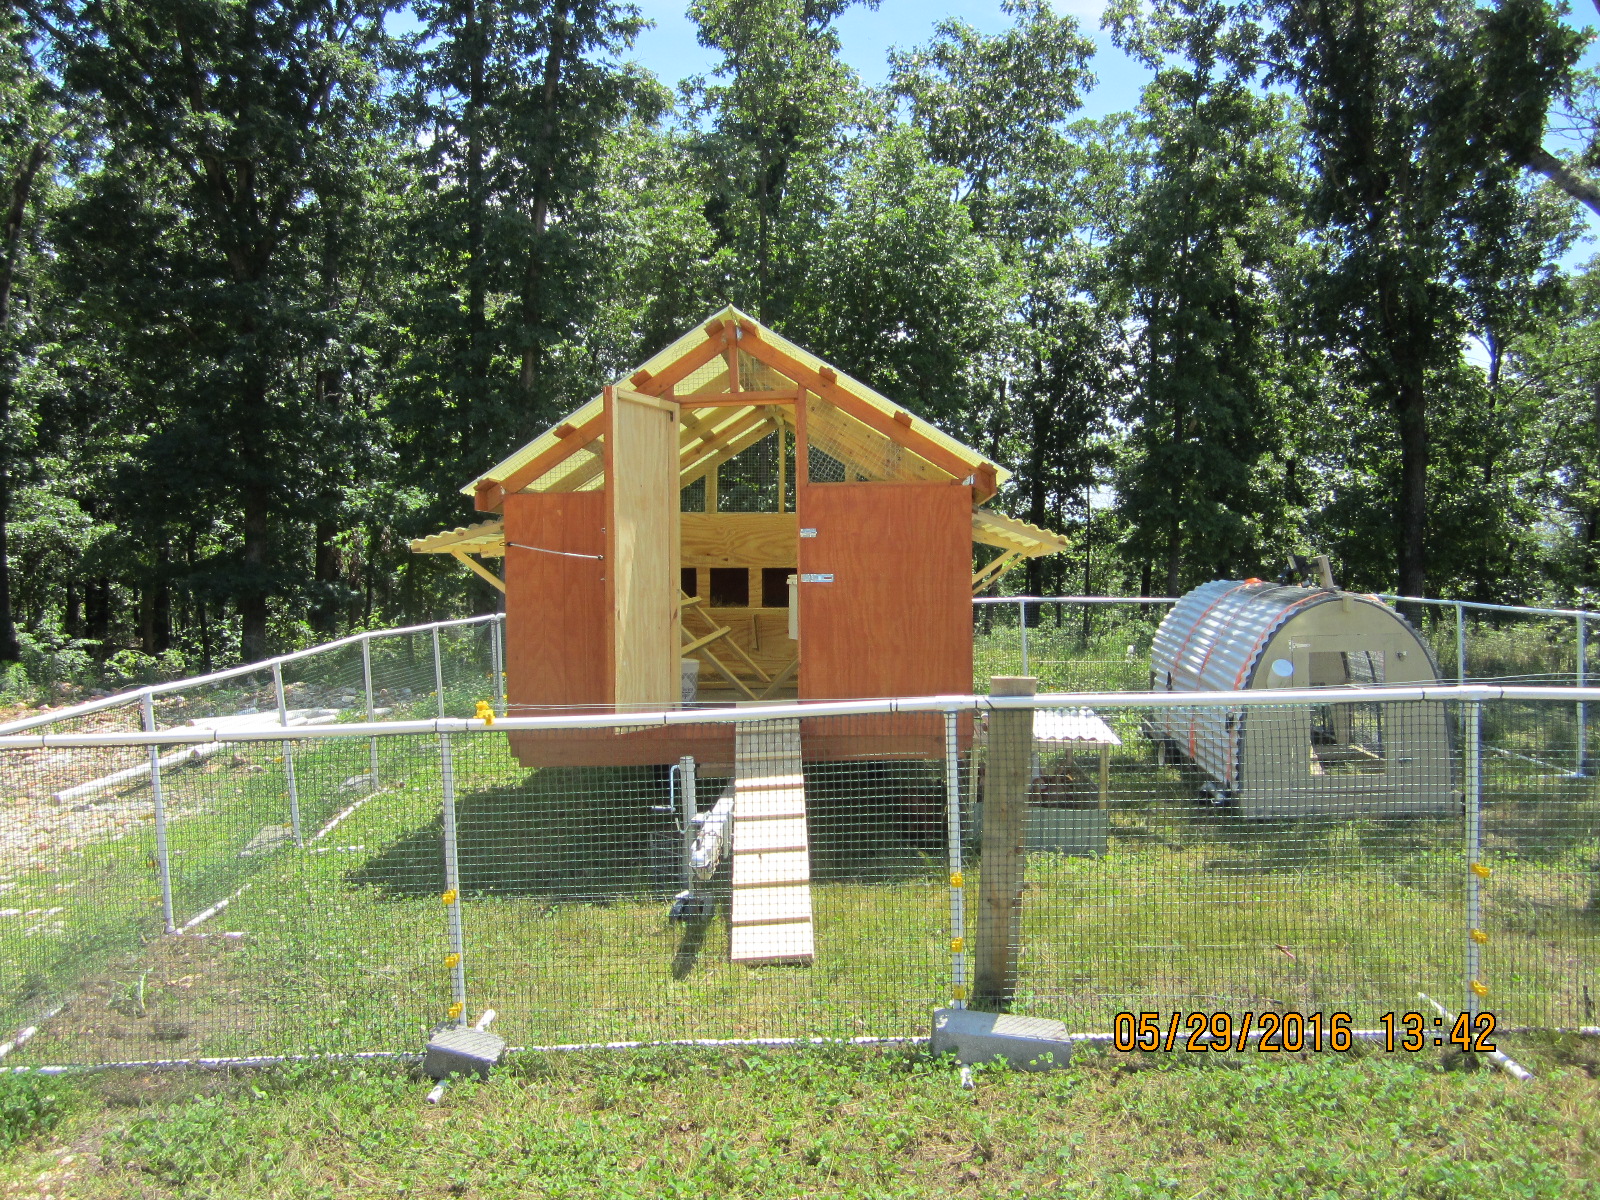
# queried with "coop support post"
point(1583, 709)
point(452, 885)
point(366, 676)
point(1472, 771)
point(288, 756)
point(1022, 627)
point(438, 674)
point(958, 898)
point(1005, 804)
point(163, 859)
point(688, 807)
point(1461, 642)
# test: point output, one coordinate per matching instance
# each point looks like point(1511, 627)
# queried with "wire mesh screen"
point(759, 478)
point(747, 893)
point(1068, 647)
point(779, 876)
point(1152, 882)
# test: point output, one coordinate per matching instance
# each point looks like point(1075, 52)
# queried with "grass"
point(841, 1123)
point(566, 875)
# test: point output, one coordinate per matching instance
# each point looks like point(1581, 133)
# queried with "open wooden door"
point(885, 601)
point(642, 547)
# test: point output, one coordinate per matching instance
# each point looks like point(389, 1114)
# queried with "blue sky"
point(672, 53)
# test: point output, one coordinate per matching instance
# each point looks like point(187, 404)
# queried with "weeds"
point(850, 1123)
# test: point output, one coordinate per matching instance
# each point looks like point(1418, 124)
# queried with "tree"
point(772, 134)
point(514, 108)
point(31, 124)
point(1212, 223)
point(995, 110)
point(902, 291)
point(1415, 115)
point(246, 118)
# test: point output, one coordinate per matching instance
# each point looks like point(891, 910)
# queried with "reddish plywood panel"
point(557, 640)
point(710, 745)
point(896, 620)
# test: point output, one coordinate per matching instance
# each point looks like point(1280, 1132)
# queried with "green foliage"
point(276, 282)
point(1206, 255)
point(30, 1106)
point(854, 1123)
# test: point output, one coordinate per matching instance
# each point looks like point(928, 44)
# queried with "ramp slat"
point(775, 905)
point(771, 910)
point(772, 943)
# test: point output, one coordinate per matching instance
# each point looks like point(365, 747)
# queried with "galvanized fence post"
point(1473, 788)
point(438, 673)
point(288, 756)
point(163, 858)
point(1583, 710)
point(1022, 625)
point(452, 887)
point(366, 674)
point(1461, 643)
point(958, 907)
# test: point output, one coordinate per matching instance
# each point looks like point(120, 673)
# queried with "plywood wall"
point(557, 643)
point(896, 617)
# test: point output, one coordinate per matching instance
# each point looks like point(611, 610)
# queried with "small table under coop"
point(1066, 809)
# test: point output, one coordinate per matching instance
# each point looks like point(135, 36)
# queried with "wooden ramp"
point(771, 911)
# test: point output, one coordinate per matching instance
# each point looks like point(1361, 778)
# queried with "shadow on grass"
point(600, 834)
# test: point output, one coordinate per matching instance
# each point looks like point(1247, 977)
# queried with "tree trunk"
point(1557, 172)
point(1411, 407)
point(98, 615)
point(21, 192)
point(72, 622)
point(477, 41)
point(325, 573)
point(532, 309)
point(1037, 493)
point(10, 649)
point(252, 596)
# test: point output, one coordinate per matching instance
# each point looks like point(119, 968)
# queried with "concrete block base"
point(462, 1052)
point(1026, 1043)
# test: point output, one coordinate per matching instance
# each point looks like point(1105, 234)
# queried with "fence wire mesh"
point(788, 875)
point(1101, 643)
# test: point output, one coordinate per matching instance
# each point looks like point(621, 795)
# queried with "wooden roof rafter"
point(732, 364)
point(765, 426)
point(1012, 533)
point(898, 425)
point(487, 538)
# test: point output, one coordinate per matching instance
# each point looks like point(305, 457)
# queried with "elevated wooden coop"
point(738, 504)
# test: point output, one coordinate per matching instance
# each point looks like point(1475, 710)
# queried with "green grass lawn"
point(824, 1122)
point(344, 943)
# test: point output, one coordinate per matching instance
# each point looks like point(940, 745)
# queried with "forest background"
point(279, 276)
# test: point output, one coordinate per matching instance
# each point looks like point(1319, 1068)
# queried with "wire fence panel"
point(1149, 886)
point(1101, 643)
point(775, 872)
point(1540, 895)
point(591, 919)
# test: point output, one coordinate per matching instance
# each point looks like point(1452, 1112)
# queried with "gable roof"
point(734, 355)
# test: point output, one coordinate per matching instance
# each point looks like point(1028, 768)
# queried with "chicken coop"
point(739, 522)
point(1302, 760)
